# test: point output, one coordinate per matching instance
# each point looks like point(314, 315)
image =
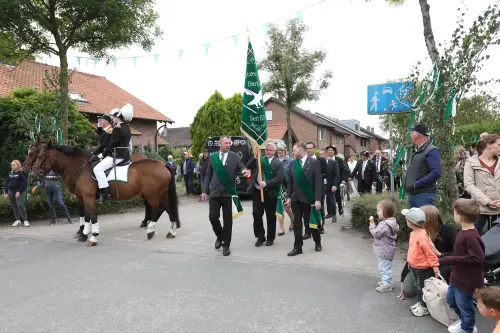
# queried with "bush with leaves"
point(37, 207)
point(366, 206)
point(17, 124)
point(218, 116)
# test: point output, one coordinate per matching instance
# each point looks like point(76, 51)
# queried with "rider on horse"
point(117, 149)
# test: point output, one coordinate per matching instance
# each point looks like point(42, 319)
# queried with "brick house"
point(377, 141)
point(306, 126)
point(179, 138)
point(359, 139)
point(95, 95)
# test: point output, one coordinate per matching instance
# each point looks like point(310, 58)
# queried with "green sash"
point(225, 180)
point(308, 191)
point(269, 174)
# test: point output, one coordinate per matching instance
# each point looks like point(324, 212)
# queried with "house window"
point(340, 139)
point(322, 135)
point(357, 127)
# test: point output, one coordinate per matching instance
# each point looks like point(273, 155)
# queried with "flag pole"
point(259, 166)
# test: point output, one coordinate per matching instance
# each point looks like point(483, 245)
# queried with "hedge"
point(366, 206)
point(37, 207)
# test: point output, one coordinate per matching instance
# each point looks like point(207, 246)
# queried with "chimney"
point(372, 129)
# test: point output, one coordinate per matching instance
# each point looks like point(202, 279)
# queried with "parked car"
point(241, 146)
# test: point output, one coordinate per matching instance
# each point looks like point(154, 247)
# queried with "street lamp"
point(156, 135)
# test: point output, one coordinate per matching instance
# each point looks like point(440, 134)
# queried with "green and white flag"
point(451, 108)
point(253, 115)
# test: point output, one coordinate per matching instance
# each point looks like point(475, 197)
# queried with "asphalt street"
point(51, 283)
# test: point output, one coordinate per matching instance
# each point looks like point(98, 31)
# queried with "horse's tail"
point(173, 199)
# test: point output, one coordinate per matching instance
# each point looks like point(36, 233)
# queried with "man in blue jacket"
point(424, 169)
point(187, 170)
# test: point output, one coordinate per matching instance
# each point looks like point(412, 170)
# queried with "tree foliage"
point(52, 27)
point(10, 52)
point(292, 68)
point(17, 124)
point(218, 116)
point(455, 73)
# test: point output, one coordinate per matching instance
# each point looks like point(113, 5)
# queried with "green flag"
point(253, 115)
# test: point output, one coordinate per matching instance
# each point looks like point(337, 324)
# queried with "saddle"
point(121, 171)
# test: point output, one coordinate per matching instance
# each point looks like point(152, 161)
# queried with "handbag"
point(434, 295)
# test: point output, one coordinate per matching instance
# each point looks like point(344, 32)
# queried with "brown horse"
point(81, 207)
point(148, 178)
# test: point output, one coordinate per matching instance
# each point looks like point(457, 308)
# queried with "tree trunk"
point(64, 94)
point(430, 43)
point(289, 128)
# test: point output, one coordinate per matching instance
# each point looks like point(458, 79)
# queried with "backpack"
point(434, 295)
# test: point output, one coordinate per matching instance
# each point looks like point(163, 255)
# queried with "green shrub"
point(37, 207)
point(154, 156)
point(366, 206)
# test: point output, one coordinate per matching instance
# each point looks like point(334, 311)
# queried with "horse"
point(148, 212)
point(150, 179)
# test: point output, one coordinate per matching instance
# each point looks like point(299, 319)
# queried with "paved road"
point(50, 283)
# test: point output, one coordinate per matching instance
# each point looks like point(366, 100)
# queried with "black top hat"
point(420, 128)
point(333, 147)
point(366, 154)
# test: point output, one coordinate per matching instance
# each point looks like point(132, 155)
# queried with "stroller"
point(491, 241)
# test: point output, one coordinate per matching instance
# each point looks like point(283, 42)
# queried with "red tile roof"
point(102, 95)
point(276, 132)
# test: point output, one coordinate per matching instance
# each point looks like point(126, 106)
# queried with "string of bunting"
point(206, 46)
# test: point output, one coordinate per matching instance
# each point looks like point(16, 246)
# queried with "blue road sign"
point(389, 98)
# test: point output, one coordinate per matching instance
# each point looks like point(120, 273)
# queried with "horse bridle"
point(45, 156)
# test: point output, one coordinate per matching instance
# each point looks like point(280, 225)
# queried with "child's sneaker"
point(383, 289)
point(456, 327)
point(420, 311)
point(26, 224)
point(414, 306)
point(16, 223)
point(380, 284)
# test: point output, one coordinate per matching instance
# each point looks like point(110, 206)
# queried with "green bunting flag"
point(235, 40)
point(206, 46)
point(179, 53)
point(451, 107)
point(114, 61)
point(96, 60)
point(253, 115)
point(78, 59)
point(156, 58)
point(300, 15)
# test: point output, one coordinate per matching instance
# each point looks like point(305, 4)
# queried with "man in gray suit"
point(305, 190)
point(272, 176)
point(219, 194)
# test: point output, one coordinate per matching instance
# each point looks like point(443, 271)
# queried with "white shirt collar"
point(304, 160)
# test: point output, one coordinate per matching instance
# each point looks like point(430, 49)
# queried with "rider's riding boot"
point(105, 194)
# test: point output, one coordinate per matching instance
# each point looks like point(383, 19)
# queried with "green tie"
point(300, 161)
point(222, 157)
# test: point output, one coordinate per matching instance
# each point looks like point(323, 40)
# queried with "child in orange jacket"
point(422, 258)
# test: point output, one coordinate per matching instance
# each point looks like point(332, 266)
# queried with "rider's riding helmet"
point(125, 114)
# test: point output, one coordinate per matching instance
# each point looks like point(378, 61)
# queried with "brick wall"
point(148, 131)
point(303, 128)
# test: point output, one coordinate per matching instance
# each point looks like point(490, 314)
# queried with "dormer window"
point(77, 98)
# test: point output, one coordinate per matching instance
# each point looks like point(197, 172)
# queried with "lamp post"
point(156, 135)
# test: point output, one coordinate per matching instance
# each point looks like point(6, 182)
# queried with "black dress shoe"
point(226, 251)
point(306, 236)
point(328, 216)
point(218, 244)
point(269, 243)
point(260, 241)
point(281, 233)
point(294, 252)
point(318, 247)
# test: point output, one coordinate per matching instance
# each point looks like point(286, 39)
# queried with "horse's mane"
point(71, 150)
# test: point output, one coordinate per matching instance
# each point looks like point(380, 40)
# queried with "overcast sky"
point(367, 43)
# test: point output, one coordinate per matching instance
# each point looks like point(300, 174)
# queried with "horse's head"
point(30, 159)
point(44, 161)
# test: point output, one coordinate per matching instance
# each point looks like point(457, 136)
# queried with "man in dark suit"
point(310, 147)
point(219, 196)
point(380, 170)
point(332, 183)
point(364, 171)
point(332, 154)
point(271, 188)
point(104, 130)
point(304, 195)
